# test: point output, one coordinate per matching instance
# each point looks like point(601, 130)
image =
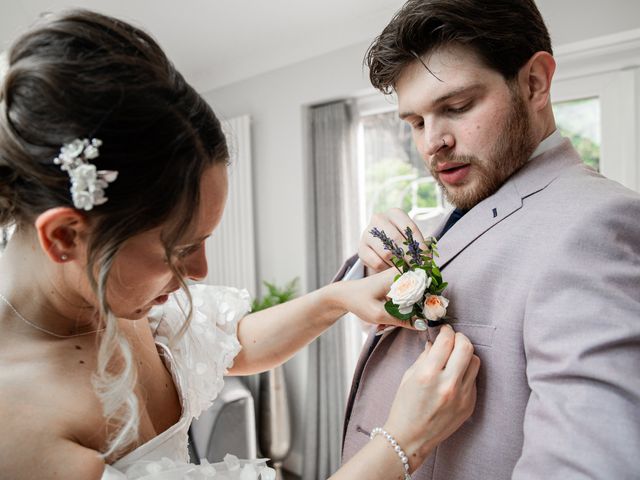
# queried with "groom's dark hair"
point(504, 33)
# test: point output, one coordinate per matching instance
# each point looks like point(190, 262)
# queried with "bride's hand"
point(394, 222)
point(366, 297)
point(436, 395)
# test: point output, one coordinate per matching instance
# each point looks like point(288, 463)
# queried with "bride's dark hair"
point(80, 74)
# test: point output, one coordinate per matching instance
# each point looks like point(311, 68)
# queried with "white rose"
point(409, 289)
point(435, 307)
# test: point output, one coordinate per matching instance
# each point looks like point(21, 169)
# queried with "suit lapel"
point(477, 221)
point(535, 176)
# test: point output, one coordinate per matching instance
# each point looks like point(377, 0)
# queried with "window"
point(579, 121)
point(391, 173)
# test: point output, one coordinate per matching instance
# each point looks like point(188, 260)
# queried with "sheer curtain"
point(334, 231)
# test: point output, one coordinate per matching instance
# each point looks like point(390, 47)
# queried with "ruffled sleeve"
point(204, 353)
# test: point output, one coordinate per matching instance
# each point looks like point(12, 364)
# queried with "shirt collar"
point(548, 143)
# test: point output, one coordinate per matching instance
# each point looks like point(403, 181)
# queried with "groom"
point(543, 263)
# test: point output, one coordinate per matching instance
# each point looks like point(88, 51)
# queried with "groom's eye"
point(458, 109)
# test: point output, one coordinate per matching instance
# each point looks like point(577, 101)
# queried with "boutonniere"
point(416, 291)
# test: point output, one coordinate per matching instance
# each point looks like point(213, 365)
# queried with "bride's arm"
point(270, 337)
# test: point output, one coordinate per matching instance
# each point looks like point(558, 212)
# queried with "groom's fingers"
point(401, 220)
point(392, 228)
point(372, 259)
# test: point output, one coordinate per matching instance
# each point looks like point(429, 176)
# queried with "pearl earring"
point(64, 257)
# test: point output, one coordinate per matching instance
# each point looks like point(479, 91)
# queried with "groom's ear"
point(62, 233)
point(535, 80)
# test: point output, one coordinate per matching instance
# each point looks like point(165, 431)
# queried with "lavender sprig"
point(413, 247)
point(389, 244)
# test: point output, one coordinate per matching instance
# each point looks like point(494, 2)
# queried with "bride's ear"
point(62, 232)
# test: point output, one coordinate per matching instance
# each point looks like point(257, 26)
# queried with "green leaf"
point(399, 263)
point(275, 295)
point(442, 288)
point(392, 309)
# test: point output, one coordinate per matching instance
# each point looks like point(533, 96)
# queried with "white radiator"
point(231, 249)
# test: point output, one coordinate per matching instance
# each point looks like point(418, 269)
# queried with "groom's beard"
point(509, 153)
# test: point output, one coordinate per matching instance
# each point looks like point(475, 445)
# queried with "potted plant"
point(274, 434)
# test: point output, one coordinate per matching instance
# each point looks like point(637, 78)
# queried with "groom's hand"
point(394, 222)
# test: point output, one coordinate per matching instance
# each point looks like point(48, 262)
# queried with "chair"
point(227, 427)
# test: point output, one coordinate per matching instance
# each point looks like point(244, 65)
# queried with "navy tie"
point(453, 218)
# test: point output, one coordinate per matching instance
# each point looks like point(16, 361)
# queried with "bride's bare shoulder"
point(34, 445)
point(37, 454)
point(49, 416)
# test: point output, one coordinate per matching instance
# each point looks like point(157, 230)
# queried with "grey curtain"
point(333, 227)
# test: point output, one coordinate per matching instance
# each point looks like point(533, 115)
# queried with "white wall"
point(276, 102)
point(574, 20)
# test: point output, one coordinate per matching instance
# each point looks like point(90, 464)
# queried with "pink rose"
point(435, 307)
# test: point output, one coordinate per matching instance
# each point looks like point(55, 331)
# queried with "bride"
point(113, 171)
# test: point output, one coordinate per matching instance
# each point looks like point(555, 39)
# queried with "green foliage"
point(587, 148)
point(389, 184)
point(392, 309)
point(579, 121)
point(276, 295)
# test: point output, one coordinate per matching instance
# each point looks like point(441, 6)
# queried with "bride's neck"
point(40, 290)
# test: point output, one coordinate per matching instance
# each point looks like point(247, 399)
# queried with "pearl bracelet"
point(396, 447)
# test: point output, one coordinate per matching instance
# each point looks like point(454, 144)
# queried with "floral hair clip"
point(87, 182)
point(416, 290)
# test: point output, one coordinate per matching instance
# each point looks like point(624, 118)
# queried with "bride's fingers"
point(421, 362)
point(469, 378)
point(442, 347)
point(461, 354)
point(380, 283)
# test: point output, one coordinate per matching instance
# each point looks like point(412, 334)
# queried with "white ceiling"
point(216, 42)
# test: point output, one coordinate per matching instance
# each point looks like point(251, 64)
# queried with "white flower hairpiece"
point(87, 183)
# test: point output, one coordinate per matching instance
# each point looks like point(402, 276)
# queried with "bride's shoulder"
point(37, 422)
point(57, 401)
point(36, 452)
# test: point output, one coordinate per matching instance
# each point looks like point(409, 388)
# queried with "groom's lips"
point(453, 173)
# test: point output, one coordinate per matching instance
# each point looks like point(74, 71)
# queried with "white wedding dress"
point(197, 362)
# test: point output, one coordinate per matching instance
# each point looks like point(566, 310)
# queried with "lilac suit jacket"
point(544, 278)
